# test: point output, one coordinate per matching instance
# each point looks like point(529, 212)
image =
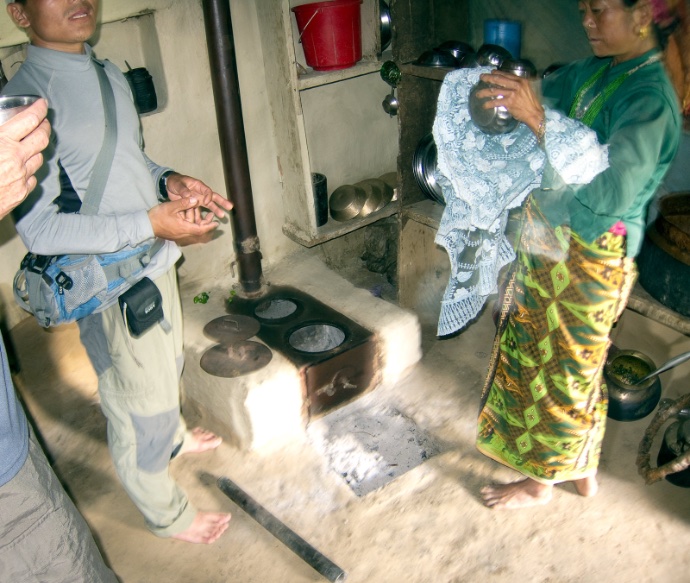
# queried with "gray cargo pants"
point(139, 387)
point(42, 535)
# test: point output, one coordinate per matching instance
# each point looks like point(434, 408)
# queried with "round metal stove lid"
point(232, 328)
point(235, 360)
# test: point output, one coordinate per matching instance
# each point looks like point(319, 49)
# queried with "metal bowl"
point(492, 55)
point(456, 48)
point(520, 67)
point(438, 58)
point(346, 202)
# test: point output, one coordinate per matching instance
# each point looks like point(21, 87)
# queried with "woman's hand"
point(514, 93)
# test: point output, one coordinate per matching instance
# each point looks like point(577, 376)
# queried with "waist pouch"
point(59, 289)
point(141, 306)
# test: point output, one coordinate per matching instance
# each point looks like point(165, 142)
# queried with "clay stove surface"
point(268, 406)
point(425, 526)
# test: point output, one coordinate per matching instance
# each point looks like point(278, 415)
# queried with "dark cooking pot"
point(629, 401)
point(664, 259)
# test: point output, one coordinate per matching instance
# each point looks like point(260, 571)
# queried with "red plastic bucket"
point(331, 33)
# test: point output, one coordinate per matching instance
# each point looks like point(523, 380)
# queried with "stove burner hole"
point(316, 338)
point(275, 309)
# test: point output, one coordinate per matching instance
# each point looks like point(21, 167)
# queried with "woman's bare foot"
point(206, 528)
point(587, 486)
point(199, 440)
point(516, 495)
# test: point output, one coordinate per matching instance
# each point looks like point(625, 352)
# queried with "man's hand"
point(182, 186)
point(169, 222)
point(22, 139)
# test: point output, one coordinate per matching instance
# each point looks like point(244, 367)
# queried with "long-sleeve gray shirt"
point(44, 222)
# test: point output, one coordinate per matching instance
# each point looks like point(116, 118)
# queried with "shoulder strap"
point(101, 169)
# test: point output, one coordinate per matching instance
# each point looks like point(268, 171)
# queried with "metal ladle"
point(675, 361)
point(390, 103)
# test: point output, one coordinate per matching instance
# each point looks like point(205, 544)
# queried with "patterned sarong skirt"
point(544, 402)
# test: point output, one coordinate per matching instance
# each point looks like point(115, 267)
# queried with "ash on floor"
point(370, 445)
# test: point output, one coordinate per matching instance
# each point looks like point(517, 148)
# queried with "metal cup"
point(11, 105)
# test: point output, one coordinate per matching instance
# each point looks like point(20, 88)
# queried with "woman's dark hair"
point(663, 30)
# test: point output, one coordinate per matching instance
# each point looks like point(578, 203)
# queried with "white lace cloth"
point(482, 177)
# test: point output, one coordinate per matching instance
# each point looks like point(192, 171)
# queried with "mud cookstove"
point(337, 359)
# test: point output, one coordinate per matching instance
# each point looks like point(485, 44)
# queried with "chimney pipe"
point(233, 145)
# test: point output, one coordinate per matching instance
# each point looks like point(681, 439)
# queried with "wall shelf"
point(333, 229)
point(330, 122)
point(317, 78)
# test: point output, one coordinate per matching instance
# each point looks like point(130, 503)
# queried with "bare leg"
point(206, 528)
point(586, 486)
point(516, 495)
point(199, 440)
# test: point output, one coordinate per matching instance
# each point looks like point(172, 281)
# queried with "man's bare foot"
point(199, 440)
point(587, 486)
point(516, 495)
point(206, 528)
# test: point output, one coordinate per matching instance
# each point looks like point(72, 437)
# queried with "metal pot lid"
point(236, 359)
point(346, 202)
point(232, 328)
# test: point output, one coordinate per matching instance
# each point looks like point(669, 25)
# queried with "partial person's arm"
point(22, 139)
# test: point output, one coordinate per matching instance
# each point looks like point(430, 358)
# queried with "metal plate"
point(232, 328)
point(235, 360)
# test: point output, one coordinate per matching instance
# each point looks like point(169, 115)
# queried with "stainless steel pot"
point(498, 120)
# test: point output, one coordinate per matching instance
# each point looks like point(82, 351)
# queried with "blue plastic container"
point(505, 33)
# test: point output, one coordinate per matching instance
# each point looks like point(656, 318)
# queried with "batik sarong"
point(544, 402)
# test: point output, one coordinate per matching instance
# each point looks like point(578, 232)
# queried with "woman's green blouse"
point(641, 124)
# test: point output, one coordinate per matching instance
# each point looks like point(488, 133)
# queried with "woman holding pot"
point(544, 403)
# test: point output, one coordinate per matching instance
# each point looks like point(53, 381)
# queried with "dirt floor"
point(426, 525)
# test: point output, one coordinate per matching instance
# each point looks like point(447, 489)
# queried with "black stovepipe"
point(233, 145)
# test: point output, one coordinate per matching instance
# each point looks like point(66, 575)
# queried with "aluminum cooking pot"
point(498, 120)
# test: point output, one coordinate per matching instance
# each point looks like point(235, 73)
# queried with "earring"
point(644, 32)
